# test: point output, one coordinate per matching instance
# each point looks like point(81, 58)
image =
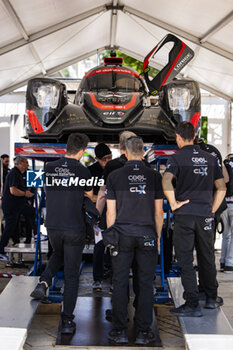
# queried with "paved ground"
point(43, 331)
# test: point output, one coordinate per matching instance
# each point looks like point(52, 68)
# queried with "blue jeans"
point(227, 237)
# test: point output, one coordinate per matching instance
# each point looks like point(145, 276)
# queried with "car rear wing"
point(179, 56)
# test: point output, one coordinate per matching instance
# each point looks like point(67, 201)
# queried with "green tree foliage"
point(204, 128)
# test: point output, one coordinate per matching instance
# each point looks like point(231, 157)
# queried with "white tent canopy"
point(41, 37)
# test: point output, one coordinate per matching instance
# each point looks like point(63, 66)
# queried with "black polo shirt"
point(96, 171)
point(135, 188)
point(116, 164)
point(5, 170)
point(113, 165)
point(9, 201)
point(65, 183)
point(195, 171)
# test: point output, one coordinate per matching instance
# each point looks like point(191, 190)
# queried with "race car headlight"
point(46, 95)
point(179, 98)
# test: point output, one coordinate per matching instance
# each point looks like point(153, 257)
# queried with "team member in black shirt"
point(4, 167)
point(14, 203)
point(66, 185)
point(193, 206)
point(103, 156)
point(113, 165)
point(134, 209)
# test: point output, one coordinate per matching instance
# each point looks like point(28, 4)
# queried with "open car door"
point(179, 56)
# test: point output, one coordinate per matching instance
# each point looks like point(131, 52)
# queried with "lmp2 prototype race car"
point(112, 98)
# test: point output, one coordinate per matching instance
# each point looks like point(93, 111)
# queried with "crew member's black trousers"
point(98, 261)
point(67, 248)
point(145, 260)
point(11, 222)
point(190, 231)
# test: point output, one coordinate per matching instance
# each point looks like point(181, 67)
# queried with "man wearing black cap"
point(103, 156)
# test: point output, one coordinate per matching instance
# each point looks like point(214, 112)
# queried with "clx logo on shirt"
point(138, 189)
point(35, 178)
point(203, 171)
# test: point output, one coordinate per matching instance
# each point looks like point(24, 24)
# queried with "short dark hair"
point(3, 156)
point(76, 142)
point(185, 130)
point(134, 145)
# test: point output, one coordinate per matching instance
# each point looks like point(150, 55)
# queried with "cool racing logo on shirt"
point(60, 171)
point(137, 178)
point(199, 160)
point(138, 182)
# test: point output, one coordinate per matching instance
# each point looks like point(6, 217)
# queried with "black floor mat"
point(92, 327)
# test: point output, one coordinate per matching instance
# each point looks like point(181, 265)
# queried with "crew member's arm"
point(89, 194)
point(111, 201)
point(88, 190)
point(101, 200)
point(94, 198)
point(159, 217)
point(111, 212)
point(169, 192)
point(225, 173)
point(19, 193)
point(219, 194)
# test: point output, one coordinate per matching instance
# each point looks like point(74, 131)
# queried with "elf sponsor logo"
point(113, 114)
point(203, 171)
point(138, 189)
point(199, 160)
point(109, 113)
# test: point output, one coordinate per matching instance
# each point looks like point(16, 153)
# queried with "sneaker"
point(118, 336)
point(4, 257)
point(42, 237)
point(228, 269)
point(97, 286)
point(145, 337)
point(187, 311)
point(68, 327)
point(222, 267)
point(213, 303)
point(40, 291)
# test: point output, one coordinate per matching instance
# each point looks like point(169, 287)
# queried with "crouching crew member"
point(66, 186)
point(193, 206)
point(134, 209)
